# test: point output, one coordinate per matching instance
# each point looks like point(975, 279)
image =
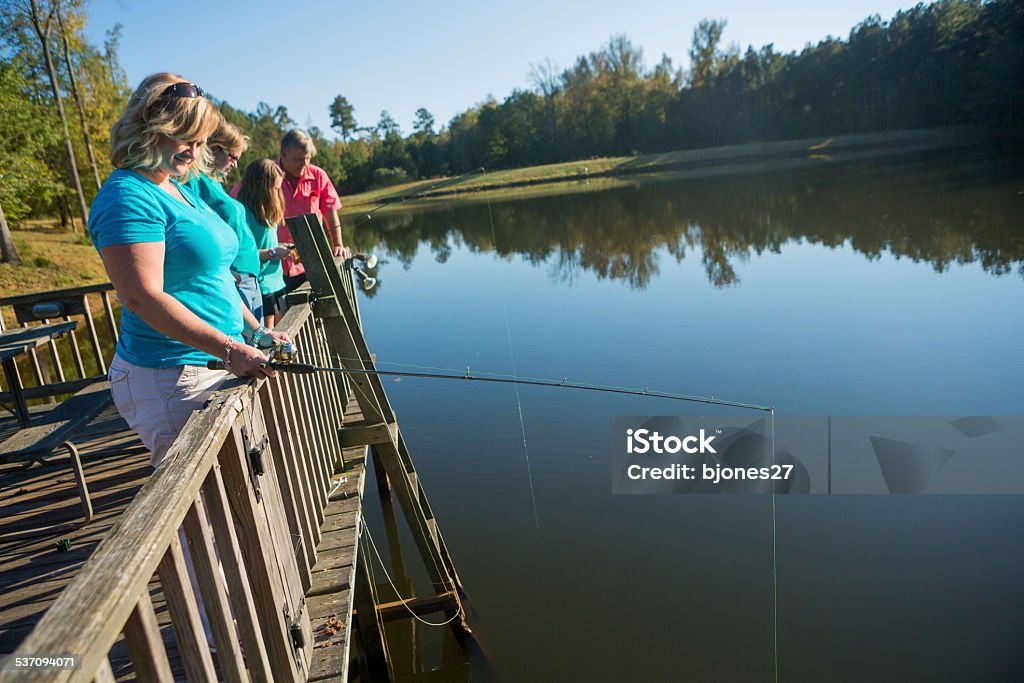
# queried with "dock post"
point(374, 663)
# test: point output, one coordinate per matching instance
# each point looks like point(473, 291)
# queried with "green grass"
point(605, 172)
point(51, 258)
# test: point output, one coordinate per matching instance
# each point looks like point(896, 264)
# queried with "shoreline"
point(692, 162)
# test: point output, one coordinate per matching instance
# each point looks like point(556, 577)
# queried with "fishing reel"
point(283, 353)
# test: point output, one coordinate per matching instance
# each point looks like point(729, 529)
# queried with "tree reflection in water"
point(928, 208)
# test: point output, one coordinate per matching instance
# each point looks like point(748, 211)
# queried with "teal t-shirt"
point(271, 277)
point(198, 249)
point(231, 210)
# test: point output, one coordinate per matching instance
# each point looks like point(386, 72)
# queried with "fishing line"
point(366, 528)
point(563, 383)
point(417, 617)
point(519, 402)
point(775, 571)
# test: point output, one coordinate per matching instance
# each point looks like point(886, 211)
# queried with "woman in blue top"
point(168, 255)
point(227, 144)
point(260, 195)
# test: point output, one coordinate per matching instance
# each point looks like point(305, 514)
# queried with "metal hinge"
point(294, 624)
point(255, 460)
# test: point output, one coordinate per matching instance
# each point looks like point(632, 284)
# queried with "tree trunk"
point(62, 204)
point(43, 32)
point(7, 249)
point(78, 102)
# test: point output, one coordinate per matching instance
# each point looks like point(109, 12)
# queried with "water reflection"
point(928, 208)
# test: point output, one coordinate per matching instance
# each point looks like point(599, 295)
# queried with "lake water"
point(870, 288)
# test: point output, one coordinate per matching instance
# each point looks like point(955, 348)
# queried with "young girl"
point(260, 194)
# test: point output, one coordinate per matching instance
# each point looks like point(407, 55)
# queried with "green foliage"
point(952, 62)
point(39, 178)
point(389, 176)
point(424, 122)
point(27, 132)
point(343, 117)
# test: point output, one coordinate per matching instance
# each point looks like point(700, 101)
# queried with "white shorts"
point(157, 402)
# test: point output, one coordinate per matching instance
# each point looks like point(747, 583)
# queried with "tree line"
point(952, 62)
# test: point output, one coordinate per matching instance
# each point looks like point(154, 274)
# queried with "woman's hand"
point(278, 253)
point(246, 361)
point(280, 336)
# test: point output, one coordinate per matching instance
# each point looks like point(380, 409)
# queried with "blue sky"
point(401, 56)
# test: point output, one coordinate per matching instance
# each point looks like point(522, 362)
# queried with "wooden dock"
point(34, 572)
point(242, 556)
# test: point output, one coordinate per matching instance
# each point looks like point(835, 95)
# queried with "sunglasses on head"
point(183, 90)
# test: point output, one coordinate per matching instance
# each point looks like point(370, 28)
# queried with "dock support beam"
point(335, 303)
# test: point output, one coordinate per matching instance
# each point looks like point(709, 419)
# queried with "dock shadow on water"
point(871, 288)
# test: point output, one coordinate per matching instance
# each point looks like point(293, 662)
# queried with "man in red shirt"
point(307, 189)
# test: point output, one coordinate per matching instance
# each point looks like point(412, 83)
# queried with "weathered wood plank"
point(90, 326)
point(283, 459)
point(301, 464)
point(209, 575)
point(262, 561)
point(311, 441)
point(340, 521)
point(142, 634)
point(184, 613)
point(363, 434)
point(111, 324)
point(335, 385)
point(331, 617)
point(420, 606)
point(104, 674)
point(330, 601)
point(314, 403)
point(315, 474)
point(233, 565)
point(330, 423)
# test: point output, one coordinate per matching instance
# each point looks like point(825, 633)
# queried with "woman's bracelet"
point(229, 344)
point(258, 335)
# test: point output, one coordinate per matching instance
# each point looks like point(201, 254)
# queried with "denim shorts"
point(249, 289)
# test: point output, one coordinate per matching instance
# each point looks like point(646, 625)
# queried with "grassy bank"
point(604, 171)
point(51, 258)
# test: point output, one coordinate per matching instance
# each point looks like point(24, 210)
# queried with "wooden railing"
point(246, 483)
point(89, 357)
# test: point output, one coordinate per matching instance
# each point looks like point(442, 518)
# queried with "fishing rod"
point(388, 201)
point(282, 361)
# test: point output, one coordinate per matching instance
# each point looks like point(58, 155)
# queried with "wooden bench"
point(51, 430)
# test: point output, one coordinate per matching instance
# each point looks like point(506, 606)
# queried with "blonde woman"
point(226, 145)
point(260, 195)
point(168, 256)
